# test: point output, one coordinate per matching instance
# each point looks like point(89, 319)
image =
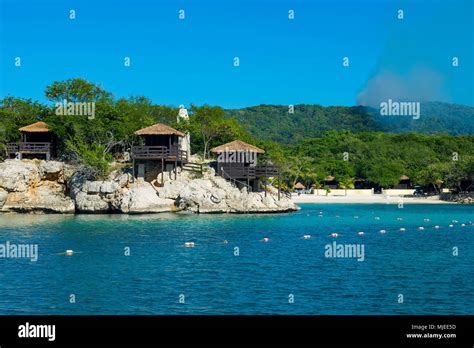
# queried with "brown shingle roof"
point(37, 127)
point(236, 145)
point(159, 129)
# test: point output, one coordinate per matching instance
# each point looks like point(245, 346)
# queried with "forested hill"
point(274, 122)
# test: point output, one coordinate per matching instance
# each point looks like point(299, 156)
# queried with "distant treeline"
point(381, 159)
point(281, 124)
point(309, 145)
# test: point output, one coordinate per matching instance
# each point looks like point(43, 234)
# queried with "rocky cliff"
point(55, 187)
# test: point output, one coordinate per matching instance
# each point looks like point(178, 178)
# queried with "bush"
point(93, 156)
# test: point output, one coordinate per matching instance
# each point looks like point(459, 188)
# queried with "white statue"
point(184, 142)
point(183, 113)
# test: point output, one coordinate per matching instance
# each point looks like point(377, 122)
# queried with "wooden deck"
point(159, 152)
point(249, 173)
point(29, 148)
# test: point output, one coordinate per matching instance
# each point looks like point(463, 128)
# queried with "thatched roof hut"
point(236, 146)
point(37, 127)
point(159, 129)
point(299, 186)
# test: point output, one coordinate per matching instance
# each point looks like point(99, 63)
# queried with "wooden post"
point(175, 168)
point(133, 169)
point(162, 171)
point(278, 187)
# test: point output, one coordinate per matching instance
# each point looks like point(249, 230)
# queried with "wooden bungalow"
point(37, 140)
point(161, 150)
point(331, 182)
point(299, 186)
point(404, 183)
point(237, 161)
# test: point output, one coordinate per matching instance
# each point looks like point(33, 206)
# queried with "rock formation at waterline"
point(55, 187)
point(29, 186)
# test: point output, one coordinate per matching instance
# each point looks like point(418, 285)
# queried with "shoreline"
point(366, 199)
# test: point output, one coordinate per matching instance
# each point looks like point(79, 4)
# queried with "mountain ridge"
point(274, 122)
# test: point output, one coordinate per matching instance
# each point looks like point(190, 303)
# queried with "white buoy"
point(334, 235)
point(451, 225)
point(437, 226)
point(462, 225)
point(421, 228)
point(403, 229)
point(189, 244)
point(360, 233)
point(426, 220)
point(382, 231)
point(69, 252)
point(265, 239)
point(307, 236)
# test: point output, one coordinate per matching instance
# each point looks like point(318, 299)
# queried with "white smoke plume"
point(419, 85)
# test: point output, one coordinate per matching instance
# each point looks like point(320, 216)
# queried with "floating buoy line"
point(69, 252)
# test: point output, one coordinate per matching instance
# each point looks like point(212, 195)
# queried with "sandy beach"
point(367, 199)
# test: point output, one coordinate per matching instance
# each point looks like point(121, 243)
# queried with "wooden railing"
point(250, 172)
point(193, 167)
point(28, 147)
point(159, 152)
point(233, 180)
point(266, 171)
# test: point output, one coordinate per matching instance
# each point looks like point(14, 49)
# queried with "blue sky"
point(282, 61)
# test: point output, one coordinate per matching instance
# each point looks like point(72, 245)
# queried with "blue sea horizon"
point(414, 271)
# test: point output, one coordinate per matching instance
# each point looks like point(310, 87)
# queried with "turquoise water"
point(262, 279)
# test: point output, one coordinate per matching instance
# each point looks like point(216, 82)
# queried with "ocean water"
point(286, 275)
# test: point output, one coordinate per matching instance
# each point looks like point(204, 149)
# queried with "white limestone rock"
point(144, 199)
point(18, 176)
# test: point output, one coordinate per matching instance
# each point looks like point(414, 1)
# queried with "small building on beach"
point(330, 182)
point(404, 183)
point(299, 186)
point(237, 162)
point(160, 151)
point(37, 141)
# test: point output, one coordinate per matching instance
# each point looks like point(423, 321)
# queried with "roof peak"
point(237, 145)
point(159, 129)
point(37, 127)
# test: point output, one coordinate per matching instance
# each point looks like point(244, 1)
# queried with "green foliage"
point(382, 158)
point(209, 127)
point(91, 155)
point(274, 122)
point(75, 90)
point(307, 145)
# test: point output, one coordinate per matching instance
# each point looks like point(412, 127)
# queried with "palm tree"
point(346, 183)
